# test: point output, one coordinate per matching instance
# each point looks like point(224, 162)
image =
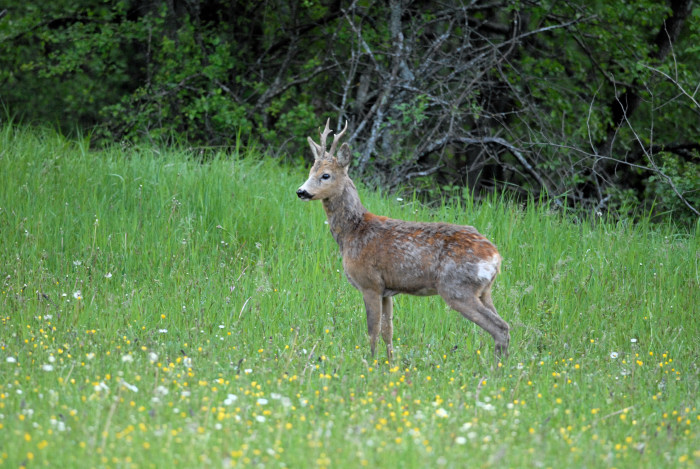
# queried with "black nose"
point(302, 194)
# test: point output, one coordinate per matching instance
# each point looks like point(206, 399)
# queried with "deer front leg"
point(373, 305)
point(388, 326)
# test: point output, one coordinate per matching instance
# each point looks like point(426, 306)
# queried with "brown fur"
point(383, 256)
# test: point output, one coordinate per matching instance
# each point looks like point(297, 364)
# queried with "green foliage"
point(208, 73)
point(685, 177)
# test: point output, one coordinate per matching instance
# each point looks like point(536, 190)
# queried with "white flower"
point(221, 326)
point(634, 341)
point(187, 361)
point(248, 371)
point(152, 356)
point(262, 401)
point(130, 387)
point(78, 295)
point(488, 407)
point(48, 317)
point(163, 331)
point(399, 199)
point(260, 418)
point(108, 275)
point(460, 440)
point(90, 355)
point(520, 366)
point(101, 387)
point(127, 358)
point(230, 399)
point(275, 396)
point(162, 390)
point(77, 263)
point(442, 413)
point(52, 358)
point(47, 367)
point(11, 360)
point(613, 355)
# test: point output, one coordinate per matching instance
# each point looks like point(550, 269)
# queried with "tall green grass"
point(161, 311)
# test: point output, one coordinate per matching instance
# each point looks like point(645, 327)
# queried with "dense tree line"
point(593, 102)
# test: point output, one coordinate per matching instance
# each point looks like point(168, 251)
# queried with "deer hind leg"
point(388, 326)
point(480, 310)
point(373, 305)
point(488, 302)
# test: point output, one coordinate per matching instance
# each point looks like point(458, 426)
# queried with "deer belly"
point(419, 291)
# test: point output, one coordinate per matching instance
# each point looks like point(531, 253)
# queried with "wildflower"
point(78, 295)
point(248, 371)
point(101, 387)
point(488, 407)
point(634, 341)
point(163, 331)
point(108, 275)
point(127, 358)
point(442, 413)
point(613, 355)
point(77, 263)
point(162, 390)
point(262, 401)
point(460, 440)
point(47, 367)
point(11, 360)
point(130, 387)
point(153, 357)
point(260, 418)
point(230, 399)
point(59, 424)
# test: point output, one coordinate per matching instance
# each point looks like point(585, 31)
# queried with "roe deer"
point(383, 256)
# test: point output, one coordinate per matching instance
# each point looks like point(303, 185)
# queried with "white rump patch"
point(487, 269)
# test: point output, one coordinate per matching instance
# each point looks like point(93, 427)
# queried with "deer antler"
point(324, 136)
point(321, 146)
point(336, 139)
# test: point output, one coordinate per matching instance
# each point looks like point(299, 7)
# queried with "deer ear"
point(344, 155)
point(315, 149)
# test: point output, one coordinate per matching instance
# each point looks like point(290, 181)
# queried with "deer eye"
point(326, 176)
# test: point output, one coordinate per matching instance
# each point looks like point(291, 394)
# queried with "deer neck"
point(345, 212)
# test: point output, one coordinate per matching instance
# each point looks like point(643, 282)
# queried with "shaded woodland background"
point(594, 103)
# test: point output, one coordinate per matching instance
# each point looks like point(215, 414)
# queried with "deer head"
point(329, 174)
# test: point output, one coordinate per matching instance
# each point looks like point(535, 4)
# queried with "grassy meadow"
point(160, 312)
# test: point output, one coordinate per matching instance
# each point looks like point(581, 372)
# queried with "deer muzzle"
point(303, 194)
